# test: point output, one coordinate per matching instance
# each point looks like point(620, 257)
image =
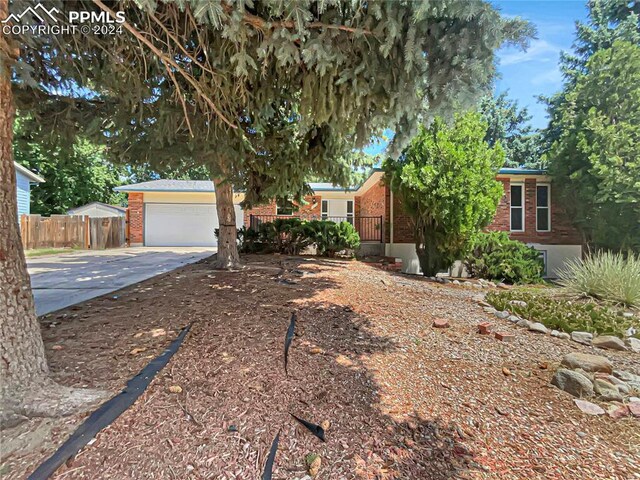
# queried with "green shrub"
point(561, 313)
point(292, 235)
point(495, 256)
point(331, 238)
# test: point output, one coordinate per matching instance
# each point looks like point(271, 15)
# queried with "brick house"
point(183, 213)
point(527, 210)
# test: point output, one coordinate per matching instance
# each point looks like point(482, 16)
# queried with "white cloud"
point(539, 51)
point(552, 76)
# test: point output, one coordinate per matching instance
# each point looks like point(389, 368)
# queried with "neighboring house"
point(99, 210)
point(25, 178)
point(182, 212)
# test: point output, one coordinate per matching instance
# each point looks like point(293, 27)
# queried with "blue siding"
point(24, 195)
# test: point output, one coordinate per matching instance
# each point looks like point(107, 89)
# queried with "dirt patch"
point(401, 399)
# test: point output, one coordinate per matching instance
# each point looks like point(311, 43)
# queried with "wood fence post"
point(87, 233)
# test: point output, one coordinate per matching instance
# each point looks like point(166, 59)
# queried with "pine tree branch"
point(168, 62)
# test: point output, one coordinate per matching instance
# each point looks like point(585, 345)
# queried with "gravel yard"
point(402, 399)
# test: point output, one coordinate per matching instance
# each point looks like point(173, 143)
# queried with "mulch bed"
point(403, 400)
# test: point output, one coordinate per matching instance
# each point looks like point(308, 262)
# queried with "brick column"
point(136, 218)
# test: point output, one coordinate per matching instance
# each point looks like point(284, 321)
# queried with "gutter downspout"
point(391, 219)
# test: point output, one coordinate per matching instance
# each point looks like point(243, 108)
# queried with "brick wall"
point(562, 231)
point(372, 203)
point(403, 226)
point(136, 218)
point(308, 211)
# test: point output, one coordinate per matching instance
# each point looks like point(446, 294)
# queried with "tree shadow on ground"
point(235, 396)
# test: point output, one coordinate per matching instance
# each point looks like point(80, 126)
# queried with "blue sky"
point(534, 72)
point(526, 75)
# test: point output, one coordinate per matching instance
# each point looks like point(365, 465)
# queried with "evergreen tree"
point(573, 137)
point(596, 159)
point(510, 125)
point(262, 93)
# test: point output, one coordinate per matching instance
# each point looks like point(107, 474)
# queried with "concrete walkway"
point(63, 280)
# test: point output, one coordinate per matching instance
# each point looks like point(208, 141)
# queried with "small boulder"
point(609, 342)
point(564, 336)
point(588, 407)
point(572, 382)
point(626, 376)
point(584, 338)
point(606, 391)
point(622, 387)
point(538, 327)
point(618, 411)
point(523, 323)
point(513, 318)
point(587, 362)
point(489, 310)
point(633, 344)
point(440, 323)
point(503, 314)
point(634, 408)
point(518, 303)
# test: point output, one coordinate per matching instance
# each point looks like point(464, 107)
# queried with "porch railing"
point(370, 229)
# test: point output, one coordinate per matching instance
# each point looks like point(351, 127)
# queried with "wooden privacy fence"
point(67, 231)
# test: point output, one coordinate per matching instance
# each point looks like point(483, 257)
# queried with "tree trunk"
point(431, 261)
point(228, 257)
point(26, 388)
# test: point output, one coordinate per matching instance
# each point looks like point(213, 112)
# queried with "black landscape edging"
point(108, 411)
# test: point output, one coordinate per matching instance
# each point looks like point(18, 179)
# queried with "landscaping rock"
point(626, 376)
point(440, 323)
point(505, 337)
point(634, 408)
point(518, 303)
point(484, 328)
point(606, 391)
point(503, 314)
point(538, 327)
point(609, 342)
point(523, 323)
point(587, 362)
point(562, 335)
point(489, 310)
point(618, 411)
point(633, 344)
point(588, 407)
point(622, 386)
point(582, 337)
point(634, 399)
point(572, 382)
point(513, 318)
point(503, 286)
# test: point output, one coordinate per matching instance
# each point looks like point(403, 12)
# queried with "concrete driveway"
point(63, 280)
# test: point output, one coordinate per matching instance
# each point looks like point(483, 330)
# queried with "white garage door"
point(182, 224)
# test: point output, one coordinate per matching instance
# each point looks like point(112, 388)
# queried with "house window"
point(350, 211)
point(325, 209)
point(543, 212)
point(284, 207)
point(517, 207)
point(543, 256)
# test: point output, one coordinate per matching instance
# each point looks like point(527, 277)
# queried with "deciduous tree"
point(446, 180)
